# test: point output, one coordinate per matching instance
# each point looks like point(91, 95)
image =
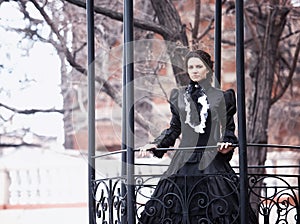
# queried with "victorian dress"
point(199, 185)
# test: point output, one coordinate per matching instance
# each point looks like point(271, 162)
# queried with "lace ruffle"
point(203, 113)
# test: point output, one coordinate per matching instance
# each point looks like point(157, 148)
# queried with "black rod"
point(124, 134)
point(91, 108)
point(205, 147)
point(129, 74)
point(240, 76)
point(298, 207)
point(274, 146)
point(124, 142)
point(217, 42)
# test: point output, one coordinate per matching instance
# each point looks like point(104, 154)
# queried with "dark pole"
point(240, 76)
point(91, 108)
point(298, 208)
point(124, 130)
point(218, 38)
point(124, 141)
point(124, 124)
point(128, 69)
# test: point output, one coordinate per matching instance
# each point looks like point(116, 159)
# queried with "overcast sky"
point(28, 81)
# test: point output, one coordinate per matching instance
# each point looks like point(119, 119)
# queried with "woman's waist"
point(197, 148)
point(198, 143)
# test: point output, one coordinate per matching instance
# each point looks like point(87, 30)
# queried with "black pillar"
point(128, 71)
point(91, 108)
point(218, 40)
point(240, 75)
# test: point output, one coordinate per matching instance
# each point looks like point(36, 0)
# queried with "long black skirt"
point(191, 193)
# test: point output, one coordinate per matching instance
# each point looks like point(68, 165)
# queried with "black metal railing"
point(277, 203)
point(274, 197)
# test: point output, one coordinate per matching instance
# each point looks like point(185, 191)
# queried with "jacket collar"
point(204, 84)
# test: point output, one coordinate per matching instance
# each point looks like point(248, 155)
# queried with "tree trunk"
point(264, 56)
point(176, 38)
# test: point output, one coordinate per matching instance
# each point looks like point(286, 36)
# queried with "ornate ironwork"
point(110, 203)
point(196, 203)
point(272, 198)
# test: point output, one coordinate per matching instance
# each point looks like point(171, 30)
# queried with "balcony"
point(273, 195)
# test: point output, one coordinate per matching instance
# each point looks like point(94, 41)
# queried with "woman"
point(199, 186)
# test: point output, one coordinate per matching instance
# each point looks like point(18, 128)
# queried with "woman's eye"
point(190, 67)
point(198, 66)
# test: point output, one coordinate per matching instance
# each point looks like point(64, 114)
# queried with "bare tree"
point(271, 36)
point(273, 44)
point(68, 36)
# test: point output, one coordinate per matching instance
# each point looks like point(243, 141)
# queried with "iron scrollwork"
point(274, 198)
point(110, 200)
point(196, 203)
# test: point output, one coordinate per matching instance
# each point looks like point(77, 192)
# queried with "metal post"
point(298, 208)
point(218, 38)
point(128, 69)
point(91, 108)
point(124, 136)
point(124, 143)
point(240, 76)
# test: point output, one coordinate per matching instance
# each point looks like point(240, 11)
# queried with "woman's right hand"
point(144, 149)
point(224, 147)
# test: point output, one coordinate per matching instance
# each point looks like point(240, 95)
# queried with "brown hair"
point(205, 57)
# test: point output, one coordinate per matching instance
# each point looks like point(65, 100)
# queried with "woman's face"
point(196, 69)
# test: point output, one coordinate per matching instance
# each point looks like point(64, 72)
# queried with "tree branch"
point(32, 111)
point(290, 76)
point(290, 34)
point(208, 28)
point(63, 44)
point(252, 31)
point(145, 25)
point(7, 145)
point(111, 91)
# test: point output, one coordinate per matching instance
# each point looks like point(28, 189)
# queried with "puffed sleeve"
point(230, 101)
point(228, 117)
point(168, 137)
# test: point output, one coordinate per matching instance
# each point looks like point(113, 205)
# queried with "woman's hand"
point(224, 147)
point(145, 148)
